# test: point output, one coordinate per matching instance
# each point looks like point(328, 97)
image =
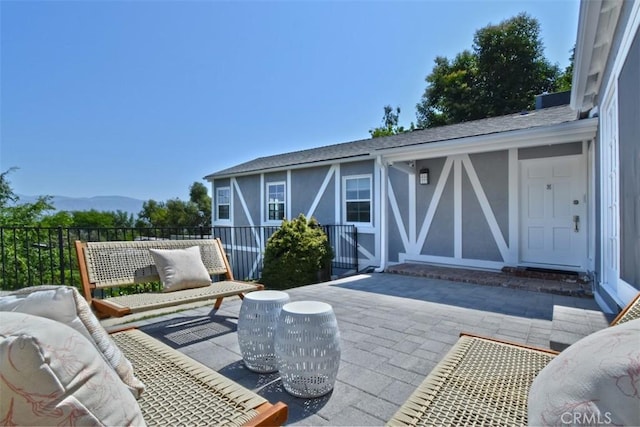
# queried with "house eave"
point(578, 130)
point(596, 28)
point(284, 168)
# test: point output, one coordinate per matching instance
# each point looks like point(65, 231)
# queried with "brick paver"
point(394, 329)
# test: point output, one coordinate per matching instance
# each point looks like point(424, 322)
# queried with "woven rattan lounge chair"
point(181, 391)
point(105, 265)
point(483, 381)
point(479, 381)
point(630, 312)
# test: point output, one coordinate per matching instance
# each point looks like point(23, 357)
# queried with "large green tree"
point(176, 213)
point(566, 78)
point(389, 123)
point(14, 213)
point(23, 246)
point(199, 195)
point(502, 73)
point(451, 95)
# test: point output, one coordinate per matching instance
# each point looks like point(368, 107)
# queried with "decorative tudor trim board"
point(332, 172)
point(514, 210)
point(433, 205)
point(486, 209)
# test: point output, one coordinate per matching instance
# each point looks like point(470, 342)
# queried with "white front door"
point(553, 223)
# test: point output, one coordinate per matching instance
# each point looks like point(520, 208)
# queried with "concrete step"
point(571, 324)
point(493, 278)
point(548, 274)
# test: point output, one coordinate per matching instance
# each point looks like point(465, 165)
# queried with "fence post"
point(61, 254)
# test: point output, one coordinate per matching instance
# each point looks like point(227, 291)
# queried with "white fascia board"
point(308, 165)
point(575, 131)
point(587, 28)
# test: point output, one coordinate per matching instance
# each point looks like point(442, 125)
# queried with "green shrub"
point(297, 254)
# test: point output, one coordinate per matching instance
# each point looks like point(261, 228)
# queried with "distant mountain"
point(99, 203)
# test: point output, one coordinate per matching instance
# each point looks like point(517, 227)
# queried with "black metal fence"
point(39, 255)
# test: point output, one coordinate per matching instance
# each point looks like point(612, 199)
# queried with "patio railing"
point(39, 255)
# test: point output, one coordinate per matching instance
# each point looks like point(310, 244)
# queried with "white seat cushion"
point(52, 375)
point(595, 381)
point(64, 304)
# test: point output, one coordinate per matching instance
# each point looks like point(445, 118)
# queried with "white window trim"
point(266, 204)
point(344, 200)
point(619, 290)
point(217, 203)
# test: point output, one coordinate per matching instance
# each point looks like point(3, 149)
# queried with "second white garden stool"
point(307, 348)
point(259, 314)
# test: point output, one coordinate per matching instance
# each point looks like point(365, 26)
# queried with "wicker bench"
point(181, 391)
point(106, 265)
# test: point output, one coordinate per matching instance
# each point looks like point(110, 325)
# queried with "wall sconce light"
point(424, 176)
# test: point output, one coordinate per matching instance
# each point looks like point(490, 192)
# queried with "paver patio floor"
point(393, 330)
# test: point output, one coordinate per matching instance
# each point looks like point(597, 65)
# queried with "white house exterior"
point(517, 190)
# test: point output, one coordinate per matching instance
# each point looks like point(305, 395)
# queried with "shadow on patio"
point(393, 331)
point(491, 298)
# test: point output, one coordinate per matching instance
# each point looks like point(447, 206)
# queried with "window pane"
point(358, 212)
point(223, 212)
point(276, 211)
point(276, 193)
point(223, 196)
point(357, 189)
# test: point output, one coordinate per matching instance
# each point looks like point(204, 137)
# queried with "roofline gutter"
point(578, 130)
point(319, 163)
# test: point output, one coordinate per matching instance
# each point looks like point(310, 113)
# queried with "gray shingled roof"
point(365, 147)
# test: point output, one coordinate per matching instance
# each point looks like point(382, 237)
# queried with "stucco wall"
point(250, 188)
point(439, 241)
point(477, 240)
point(305, 186)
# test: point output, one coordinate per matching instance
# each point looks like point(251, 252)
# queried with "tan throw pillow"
point(64, 304)
point(50, 374)
point(595, 381)
point(180, 268)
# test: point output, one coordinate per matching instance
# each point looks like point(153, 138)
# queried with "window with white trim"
point(223, 204)
point(276, 201)
point(357, 199)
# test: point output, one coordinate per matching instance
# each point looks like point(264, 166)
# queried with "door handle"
point(576, 223)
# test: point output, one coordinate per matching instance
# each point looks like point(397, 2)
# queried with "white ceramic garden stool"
point(259, 315)
point(307, 348)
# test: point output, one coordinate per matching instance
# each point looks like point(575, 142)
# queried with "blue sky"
point(142, 98)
